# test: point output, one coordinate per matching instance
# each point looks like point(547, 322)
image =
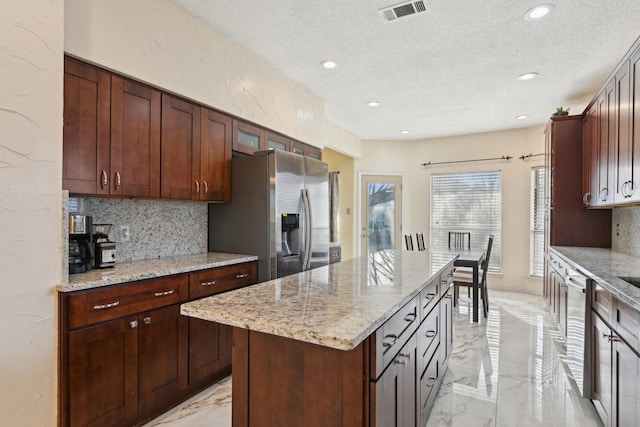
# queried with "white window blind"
point(468, 202)
point(536, 248)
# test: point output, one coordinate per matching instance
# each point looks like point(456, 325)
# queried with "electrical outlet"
point(617, 229)
point(125, 233)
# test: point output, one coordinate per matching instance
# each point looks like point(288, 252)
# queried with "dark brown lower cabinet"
point(127, 354)
point(616, 369)
point(394, 396)
point(162, 358)
point(103, 373)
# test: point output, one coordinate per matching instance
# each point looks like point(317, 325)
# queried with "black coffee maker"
point(80, 243)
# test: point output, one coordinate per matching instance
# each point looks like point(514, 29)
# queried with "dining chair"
point(408, 241)
point(460, 239)
point(465, 278)
point(420, 241)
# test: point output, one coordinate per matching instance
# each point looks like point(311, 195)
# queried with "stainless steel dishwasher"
point(578, 326)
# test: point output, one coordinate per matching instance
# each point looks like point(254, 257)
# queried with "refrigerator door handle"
point(307, 230)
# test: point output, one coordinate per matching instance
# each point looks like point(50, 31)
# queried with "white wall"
point(31, 49)
point(405, 157)
point(157, 42)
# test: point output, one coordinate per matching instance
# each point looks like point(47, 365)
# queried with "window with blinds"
point(536, 246)
point(468, 202)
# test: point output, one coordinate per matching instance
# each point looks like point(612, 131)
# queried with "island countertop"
point(151, 268)
point(337, 306)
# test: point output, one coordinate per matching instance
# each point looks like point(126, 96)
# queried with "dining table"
point(472, 258)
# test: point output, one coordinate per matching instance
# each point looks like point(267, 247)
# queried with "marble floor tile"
point(507, 370)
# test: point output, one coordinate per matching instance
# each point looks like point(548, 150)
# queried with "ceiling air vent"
point(403, 9)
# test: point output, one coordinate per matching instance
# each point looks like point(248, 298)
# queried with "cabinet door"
point(163, 360)
point(602, 367)
point(387, 411)
point(215, 154)
point(135, 139)
point(607, 144)
point(594, 158)
point(626, 398)
point(85, 147)
point(278, 142)
point(634, 72)
point(248, 138)
point(624, 166)
point(180, 149)
point(410, 377)
point(209, 351)
point(103, 373)
point(306, 150)
point(446, 316)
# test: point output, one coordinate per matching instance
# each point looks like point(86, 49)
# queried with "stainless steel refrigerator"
point(279, 211)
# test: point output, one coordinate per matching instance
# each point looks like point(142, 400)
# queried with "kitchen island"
point(357, 343)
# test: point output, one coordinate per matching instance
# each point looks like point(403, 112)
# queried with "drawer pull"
point(431, 381)
point(405, 355)
point(109, 305)
point(410, 317)
point(147, 320)
point(242, 276)
point(430, 296)
point(430, 334)
point(134, 324)
point(164, 294)
point(610, 337)
point(394, 338)
point(211, 283)
point(400, 362)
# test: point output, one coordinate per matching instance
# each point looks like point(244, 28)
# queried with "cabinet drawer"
point(429, 337)
point(446, 279)
point(98, 305)
point(557, 264)
point(627, 323)
point(222, 279)
point(429, 297)
point(428, 383)
point(392, 335)
point(601, 301)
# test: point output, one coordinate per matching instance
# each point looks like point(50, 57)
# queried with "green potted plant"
point(560, 111)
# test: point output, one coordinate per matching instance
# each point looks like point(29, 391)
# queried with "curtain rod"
point(507, 157)
point(526, 156)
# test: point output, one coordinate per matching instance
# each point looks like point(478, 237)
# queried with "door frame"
point(358, 230)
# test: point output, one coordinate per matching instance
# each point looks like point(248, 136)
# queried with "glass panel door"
point(381, 221)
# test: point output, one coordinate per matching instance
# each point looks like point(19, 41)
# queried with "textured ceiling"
point(449, 71)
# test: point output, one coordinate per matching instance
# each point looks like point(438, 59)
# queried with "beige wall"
point(157, 42)
point(405, 157)
point(31, 47)
point(344, 164)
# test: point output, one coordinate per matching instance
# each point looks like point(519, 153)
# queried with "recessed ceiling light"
point(527, 76)
point(328, 64)
point(373, 103)
point(404, 132)
point(538, 12)
point(522, 117)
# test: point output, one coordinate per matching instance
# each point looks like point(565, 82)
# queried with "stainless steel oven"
point(578, 326)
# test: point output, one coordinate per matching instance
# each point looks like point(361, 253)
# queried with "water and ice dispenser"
point(290, 234)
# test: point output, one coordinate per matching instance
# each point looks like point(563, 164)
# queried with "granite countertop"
point(151, 268)
point(605, 266)
point(336, 306)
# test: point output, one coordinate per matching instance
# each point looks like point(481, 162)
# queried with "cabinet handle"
point(242, 276)
point(394, 338)
point(400, 362)
point(450, 273)
point(206, 187)
point(197, 186)
point(211, 283)
point(586, 199)
point(430, 334)
point(631, 189)
point(147, 320)
point(604, 194)
point(405, 355)
point(410, 317)
point(165, 293)
point(431, 381)
point(118, 180)
point(103, 182)
point(109, 305)
point(134, 324)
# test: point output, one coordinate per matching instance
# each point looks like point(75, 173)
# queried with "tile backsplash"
point(158, 228)
point(625, 229)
